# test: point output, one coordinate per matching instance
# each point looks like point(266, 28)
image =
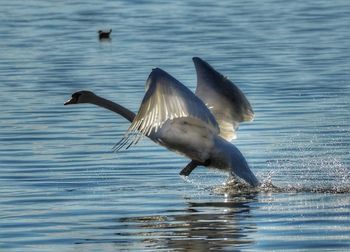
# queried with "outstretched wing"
point(224, 99)
point(166, 99)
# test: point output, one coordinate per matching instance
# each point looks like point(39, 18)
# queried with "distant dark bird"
point(104, 34)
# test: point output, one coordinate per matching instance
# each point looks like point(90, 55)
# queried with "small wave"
point(234, 187)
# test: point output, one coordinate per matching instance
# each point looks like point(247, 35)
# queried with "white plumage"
point(198, 125)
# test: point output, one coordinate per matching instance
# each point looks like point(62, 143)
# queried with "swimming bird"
point(104, 34)
point(199, 126)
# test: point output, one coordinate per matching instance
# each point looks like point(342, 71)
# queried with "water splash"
point(234, 187)
point(309, 162)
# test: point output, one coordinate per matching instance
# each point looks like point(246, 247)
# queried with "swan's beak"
point(72, 100)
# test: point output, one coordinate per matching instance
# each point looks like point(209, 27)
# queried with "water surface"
point(63, 188)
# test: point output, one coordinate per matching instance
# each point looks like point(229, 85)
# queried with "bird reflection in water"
point(203, 226)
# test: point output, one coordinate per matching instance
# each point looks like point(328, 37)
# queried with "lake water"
point(63, 188)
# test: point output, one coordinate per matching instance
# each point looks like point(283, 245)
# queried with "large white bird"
point(199, 126)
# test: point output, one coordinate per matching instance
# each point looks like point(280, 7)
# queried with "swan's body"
point(172, 116)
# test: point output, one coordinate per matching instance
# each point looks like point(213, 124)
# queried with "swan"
point(104, 34)
point(197, 125)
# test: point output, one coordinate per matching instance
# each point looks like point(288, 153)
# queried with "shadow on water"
point(202, 226)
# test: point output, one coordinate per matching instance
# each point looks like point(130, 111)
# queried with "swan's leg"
point(191, 166)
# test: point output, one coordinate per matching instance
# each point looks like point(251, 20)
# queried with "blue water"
point(63, 188)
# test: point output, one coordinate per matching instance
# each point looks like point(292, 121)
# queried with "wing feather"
point(166, 99)
point(224, 99)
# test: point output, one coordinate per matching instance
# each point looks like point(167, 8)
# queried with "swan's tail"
point(240, 168)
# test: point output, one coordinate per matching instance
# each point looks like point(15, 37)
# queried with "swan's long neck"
point(124, 112)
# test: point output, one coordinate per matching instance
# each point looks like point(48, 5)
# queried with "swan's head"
point(80, 97)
